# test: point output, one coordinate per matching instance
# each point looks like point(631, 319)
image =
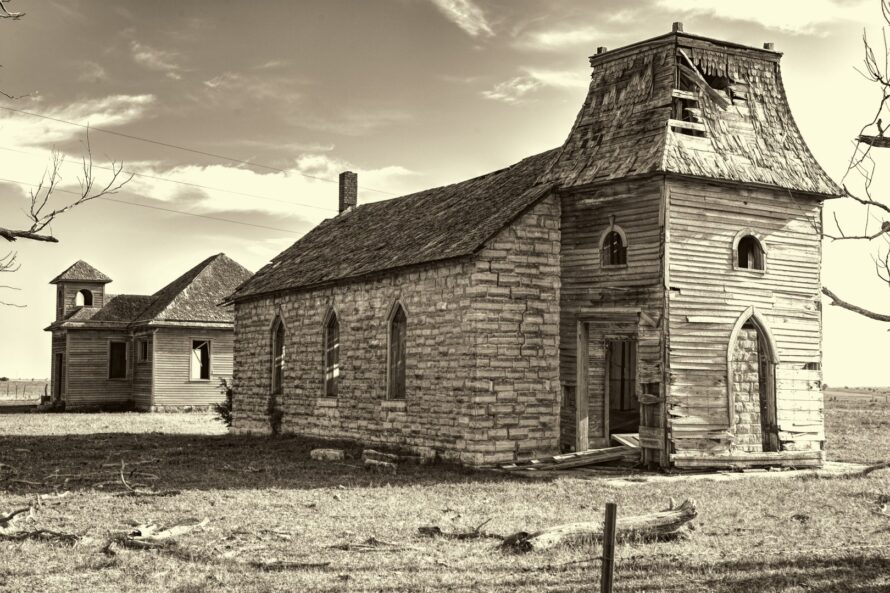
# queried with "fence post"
point(609, 546)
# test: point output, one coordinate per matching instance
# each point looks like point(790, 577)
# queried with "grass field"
point(22, 389)
point(266, 500)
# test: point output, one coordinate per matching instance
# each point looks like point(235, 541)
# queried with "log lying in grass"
point(383, 467)
point(661, 525)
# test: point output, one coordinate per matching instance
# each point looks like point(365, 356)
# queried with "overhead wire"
point(187, 183)
point(184, 148)
point(161, 208)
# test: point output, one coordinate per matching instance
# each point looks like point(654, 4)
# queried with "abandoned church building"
point(162, 351)
point(656, 276)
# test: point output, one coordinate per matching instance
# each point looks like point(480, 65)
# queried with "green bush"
point(223, 409)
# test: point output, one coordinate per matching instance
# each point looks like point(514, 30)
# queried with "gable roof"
point(81, 271)
point(432, 225)
point(193, 297)
point(726, 117)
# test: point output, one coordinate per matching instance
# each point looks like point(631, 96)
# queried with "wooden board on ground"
point(630, 439)
point(579, 459)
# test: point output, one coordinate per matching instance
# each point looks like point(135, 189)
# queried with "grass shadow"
point(201, 462)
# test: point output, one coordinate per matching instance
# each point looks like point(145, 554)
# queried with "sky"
point(247, 113)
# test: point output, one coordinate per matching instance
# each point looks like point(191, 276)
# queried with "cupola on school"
point(656, 275)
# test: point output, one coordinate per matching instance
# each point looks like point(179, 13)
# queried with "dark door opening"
point(60, 375)
point(621, 392)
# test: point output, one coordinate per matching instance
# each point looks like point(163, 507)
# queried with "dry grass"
point(19, 390)
point(267, 500)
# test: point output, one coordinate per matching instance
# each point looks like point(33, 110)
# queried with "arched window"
point(84, 298)
point(279, 333)
point(749, 253)
point(331, 354)
point(398, 332)
point(613, 245)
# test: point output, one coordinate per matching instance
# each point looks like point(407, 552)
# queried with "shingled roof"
point(193, 297)
point(432, 225)
point(724, 116)
point(675, 104)
point(81, 271)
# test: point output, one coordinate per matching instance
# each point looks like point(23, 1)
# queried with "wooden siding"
point(87, 370)
point(618, 302)
point(708, 296)
point(172, 355)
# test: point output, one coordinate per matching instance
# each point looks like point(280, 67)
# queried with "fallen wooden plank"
point(628, 439)
point(580, 459)
point(745, 460)
point(660, 525)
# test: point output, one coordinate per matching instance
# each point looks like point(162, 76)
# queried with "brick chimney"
point(348, 190)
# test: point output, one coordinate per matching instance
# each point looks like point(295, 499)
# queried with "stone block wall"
point(746, 390)
point(482, 366)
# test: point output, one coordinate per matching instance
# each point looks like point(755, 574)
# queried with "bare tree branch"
point(836, 300)
point(5, 14)
point(41, 216)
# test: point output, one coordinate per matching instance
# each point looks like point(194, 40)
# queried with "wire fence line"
point(716, 555)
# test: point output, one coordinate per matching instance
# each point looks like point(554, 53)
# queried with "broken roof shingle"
point(81, 271)
point(626, 125)
point(432, 225)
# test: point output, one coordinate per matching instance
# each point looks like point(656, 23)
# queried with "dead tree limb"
point(667, 524)
point(875, 467)
point(836, 300)
point(5, 14)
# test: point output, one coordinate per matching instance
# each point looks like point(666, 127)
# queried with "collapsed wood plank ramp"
point(577, 459)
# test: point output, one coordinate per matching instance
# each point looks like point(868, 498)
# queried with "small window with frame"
point(613, 246)
point(200, 360)
point(331, 355)
point(749, 252)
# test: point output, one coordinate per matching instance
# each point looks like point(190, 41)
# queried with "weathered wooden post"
point(609, 546)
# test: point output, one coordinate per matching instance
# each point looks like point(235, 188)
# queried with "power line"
point(217, 218)
point(187, 183)
point(183, 148)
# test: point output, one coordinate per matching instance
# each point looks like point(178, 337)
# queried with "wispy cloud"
point(518, 88)
point(466, 15)
point(357, 122)
point(558, 39)
point(114, 110)
point(513, 90)
point(793, 16)
point(92, 72)
point(156, 59)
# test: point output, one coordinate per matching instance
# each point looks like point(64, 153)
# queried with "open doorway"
point(621, 392)
point(752, 373)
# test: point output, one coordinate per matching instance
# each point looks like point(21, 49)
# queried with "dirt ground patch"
point(266, 500)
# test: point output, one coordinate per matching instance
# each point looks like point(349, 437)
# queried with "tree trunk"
point(661, 525)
